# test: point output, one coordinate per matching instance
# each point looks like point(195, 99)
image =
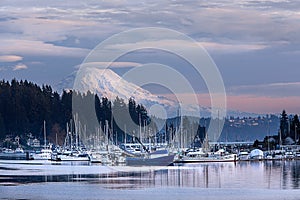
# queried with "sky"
point(255, 44)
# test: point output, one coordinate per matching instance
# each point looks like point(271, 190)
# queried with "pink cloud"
point(261, 104)
point(19, 66)
point(10, 58)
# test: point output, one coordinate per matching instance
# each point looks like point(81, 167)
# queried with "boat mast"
point(116, 138)
point(295, 133)
point(100, 136)
point(144, 130)
point(140, 128)
point(106, 134)
point(177, 131)
point(125, 135)
point(149, 140)
point(45, 135)
point(71, 133)
point(205, 142)
point(76, 130)
point(216, 139)
point(280, 140)
point(112, 130)
point(67, 136)
point(268, 134)
point(83, 139)
point(181, 132)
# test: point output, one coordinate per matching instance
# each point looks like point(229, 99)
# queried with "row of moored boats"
point(136, 155)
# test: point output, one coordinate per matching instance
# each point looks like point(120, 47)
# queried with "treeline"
point(25, 105)
point(289, 128)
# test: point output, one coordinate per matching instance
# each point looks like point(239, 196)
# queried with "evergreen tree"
point(284, 125)
point(25, 105)
point(2, 127)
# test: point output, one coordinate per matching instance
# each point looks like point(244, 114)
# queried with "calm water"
point(247, 180)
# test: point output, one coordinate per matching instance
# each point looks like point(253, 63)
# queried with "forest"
point(24, 106)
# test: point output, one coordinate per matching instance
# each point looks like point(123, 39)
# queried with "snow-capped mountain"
point(107, 83)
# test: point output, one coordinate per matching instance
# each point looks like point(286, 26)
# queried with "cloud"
point(39, 48)
point(44, 29)
point(56, 22)
point(10, 58)
point(288, 89)
point(232, 47)
point(20, 66)
point(110, 65)
point(245, 21)
point(216, 47)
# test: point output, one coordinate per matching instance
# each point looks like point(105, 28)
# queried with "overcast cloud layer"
point(255, 44)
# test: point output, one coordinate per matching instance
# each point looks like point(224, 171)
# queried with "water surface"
point(247, 180)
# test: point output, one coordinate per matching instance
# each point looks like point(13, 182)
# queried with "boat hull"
point(69, 158)
point(158, 161)
point(16, 156)
point(13, 156)
point(207, 159)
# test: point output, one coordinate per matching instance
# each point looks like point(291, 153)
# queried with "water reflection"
point(251, 175)
point(288, 173)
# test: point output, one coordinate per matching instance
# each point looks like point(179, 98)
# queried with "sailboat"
point(70, 151)
point(46, 152)
point(159, 157)
point(199, 156)
point(205, 155)
point(104, 151)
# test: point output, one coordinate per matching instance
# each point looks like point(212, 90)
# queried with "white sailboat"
point(71, 152)
point(46, 152)
point(201, 156)
point(205, 155)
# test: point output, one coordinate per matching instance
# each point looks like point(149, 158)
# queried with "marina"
point(149, 100)
point(156, 158)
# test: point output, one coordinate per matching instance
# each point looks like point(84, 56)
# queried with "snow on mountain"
point(107, 83)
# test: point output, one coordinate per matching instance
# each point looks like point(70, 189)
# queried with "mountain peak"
point(106, 82)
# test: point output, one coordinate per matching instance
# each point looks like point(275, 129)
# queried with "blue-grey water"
point(242, 180)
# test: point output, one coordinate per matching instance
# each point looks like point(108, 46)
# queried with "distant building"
point(33, 142)
point(36, 143)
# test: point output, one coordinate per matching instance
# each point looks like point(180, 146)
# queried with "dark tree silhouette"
point(24, 106)
point(284, 124)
